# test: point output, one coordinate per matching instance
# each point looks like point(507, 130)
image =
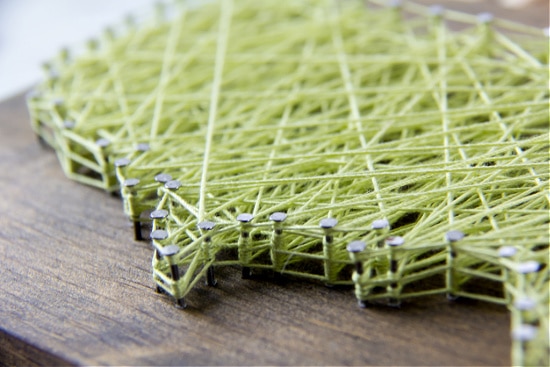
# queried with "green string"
point(321, 109)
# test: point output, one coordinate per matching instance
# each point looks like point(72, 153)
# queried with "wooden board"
point(76, 289)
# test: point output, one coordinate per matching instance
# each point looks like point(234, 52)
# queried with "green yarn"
point(319, 109)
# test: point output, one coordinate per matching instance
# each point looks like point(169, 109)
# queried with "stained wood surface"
point(76, 289)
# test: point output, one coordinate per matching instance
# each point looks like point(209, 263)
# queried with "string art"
point(349, 144)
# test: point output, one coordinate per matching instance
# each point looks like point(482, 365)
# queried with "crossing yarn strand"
point(400, 149)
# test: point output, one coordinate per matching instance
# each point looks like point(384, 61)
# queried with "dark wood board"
point(76, 289)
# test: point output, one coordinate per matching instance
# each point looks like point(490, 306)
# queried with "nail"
point(524, 333)
point(485, 17)
point(328, 224)
point(381, 226)
point(277, 240)
point(507, 251)
point(437, 10)
point(159, 235)
point(172, 185)
point(159, 215)
point(524, 304)
point(142, 147)
point(102, 143)
point(163, 177)
point(205, 227)
point(527, 267)
point(69, 124)
point(354, 248)
point(245, 217)
point(392, 243)
point(169, 252)
point(452, 237)
point(122, 162)
point(243, 249)
point(131, 183)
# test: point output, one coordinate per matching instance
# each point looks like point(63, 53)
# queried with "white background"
point(32, 31)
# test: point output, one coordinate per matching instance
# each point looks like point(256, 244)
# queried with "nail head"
point(278, 217)
point(142, 147)
point(454, 236)
point(507, 251)
point(206, 225)
point(173, 185)
point(58, 101)
point(131, 182)
point(163, 177)
point(524, 333)
point(356, 246)
point(245, 217)
point(327, 223)
point(159, 214)
point(68, 124)
point(485, 17)
point(380, 224)
point(122, 162)
point(437, 10)
point(159, 234)
point(395, 241)
point(530, 266)
point(102, 142)
point(524, 304)
point(169, 250)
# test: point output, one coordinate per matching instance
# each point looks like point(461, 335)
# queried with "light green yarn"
point(322, 110)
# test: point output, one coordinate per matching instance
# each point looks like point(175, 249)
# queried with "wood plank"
point(75, 288)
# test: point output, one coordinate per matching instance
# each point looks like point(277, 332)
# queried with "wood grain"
point(75, 289)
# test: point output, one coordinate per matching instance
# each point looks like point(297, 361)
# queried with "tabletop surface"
point(76, 289)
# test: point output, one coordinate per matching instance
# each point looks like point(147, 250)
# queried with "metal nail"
point(142, 147)
point(168, 252)
point(524, 333)
point(525, 304)
point(381, 226)
point(328, 223)
point(206, 226)
point(454, 236)
point(69, 124)
point(437, 10)
point(159, 214)
point(245, 217)
point(485, 17)
point(102, 142)
point(507, 251)
point(278, 217)
point(131, 182)
point(172, 185)
point(163, 177)
point(527, 267)
point(122, 162)
point(159, 235)
point(354, 248)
